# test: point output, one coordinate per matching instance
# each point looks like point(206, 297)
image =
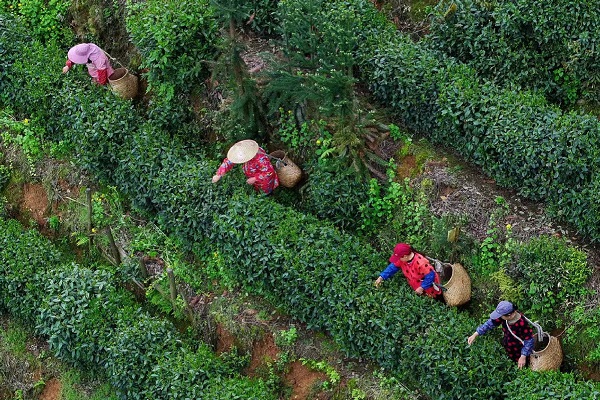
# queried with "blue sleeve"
point(527, 347)
point(389, 272)
point(428, 280)
point(486, 327)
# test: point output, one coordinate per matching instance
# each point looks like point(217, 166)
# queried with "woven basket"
point(549, 358)
point(458, 288)
point(289, 173)
point(123, 83)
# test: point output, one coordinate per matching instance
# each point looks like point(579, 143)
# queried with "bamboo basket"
point(458, 288)
point(549, 358)
point(289, 173)
point(123, 83)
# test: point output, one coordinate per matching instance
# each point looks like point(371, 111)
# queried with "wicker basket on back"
point(123, 83)
point(458, 288)
point(289, 173)
point(549, 358)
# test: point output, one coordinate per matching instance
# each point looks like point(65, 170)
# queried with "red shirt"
point(259, 167)
point(415, 270)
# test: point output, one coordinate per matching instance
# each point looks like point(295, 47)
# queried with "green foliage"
point(13, 38)
point(35, 80)
point(301, 138)
point(46, 20)
point(383, 202)
point(286, 338)
point(516, 137)
point(21, 280)
point(494, 249)
point(334, 192)
point(553, 275)
point(74, 387)
point(76, 314)
point(259, 15)
point(333, 377)
point(550, 385)
point(27, 137)
point(548, 46)
point(90, 323)
point(510, 289)
point(175, 40)
point(584, 328)
point(5, 173)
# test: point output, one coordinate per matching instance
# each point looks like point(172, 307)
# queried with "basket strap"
point(278, 159)
point(512, 333)
point(113, 59)
point(540, 332)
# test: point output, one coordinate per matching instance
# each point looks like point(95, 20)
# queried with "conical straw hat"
point(242, 151)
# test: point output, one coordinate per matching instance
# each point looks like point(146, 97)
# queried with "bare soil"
point(52, 390)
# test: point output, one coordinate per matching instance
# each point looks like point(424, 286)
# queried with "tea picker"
point(519, 341)
point(100, 69)
point(419, 273)
point(94, 58)
point(256, 165)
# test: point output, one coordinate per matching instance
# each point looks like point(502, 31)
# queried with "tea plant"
point(46, 20)
point(175, 59)
point(27, 136)
point(583, 335)
point(494, 250)
point(334, 192)
point(552, 274)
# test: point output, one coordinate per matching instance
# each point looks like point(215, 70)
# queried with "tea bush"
point(13, 39)
point(334, 192)
point(177, 41)
point(547, 46)
point(89, 323)
point(77, 313)
point(531, 385)
point(584, 328)
point(552, 274)
point(46, 20)
point(517, 138)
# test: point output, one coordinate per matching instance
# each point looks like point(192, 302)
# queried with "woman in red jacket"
point(256, 166)
point(419, 273)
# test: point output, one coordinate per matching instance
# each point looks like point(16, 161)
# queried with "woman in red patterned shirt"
point(256, 166)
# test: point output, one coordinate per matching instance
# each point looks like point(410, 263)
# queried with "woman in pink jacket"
point(256, 166)
point(94, 58)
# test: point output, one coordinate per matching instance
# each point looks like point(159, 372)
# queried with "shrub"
point(77, 314)
point(552, 274)
point(22, 269)
point(4, 176)
point(46, 20)
point(13, 39)
point(530, 385)
point(176, 42)
point(334, 192)
point(548, 46)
